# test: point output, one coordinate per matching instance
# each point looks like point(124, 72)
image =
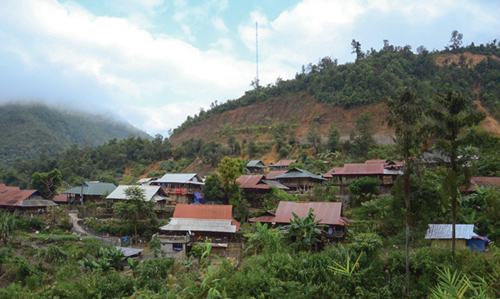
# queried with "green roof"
point(299, 173)
point(92, 188)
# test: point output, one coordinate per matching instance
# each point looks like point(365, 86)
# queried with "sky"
point(154, 62)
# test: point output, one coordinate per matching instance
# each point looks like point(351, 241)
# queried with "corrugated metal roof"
point(360, 169)
point(217, 212)
point(36, 203)
point(92, 188)
point(208, 225)
point(330, 213)
point(180, 178)
point(249, 181)
point(482, 182)
point(273, 174)
point(275, 184)
point(149, 192)
point(256, 163)
point(299, 173)
point(283, 163)
point(336, 170)
point(129, 251)
point(3, 187)
point(444, 231)
point(60, 198)
point(12, 198)
point(375, 161)
point(144, 180)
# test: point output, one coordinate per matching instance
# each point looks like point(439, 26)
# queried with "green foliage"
point(213, 191)
point(363, 141)
point(333, 143)
point(305, 230)
point(365, 242)
point(155, 246)
point(264, 239)
point(364, 187)
point(47, 183)
point(276, 195)
point(7, 226)
point(457, 286)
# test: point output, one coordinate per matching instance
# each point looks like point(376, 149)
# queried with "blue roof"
point(198, 195)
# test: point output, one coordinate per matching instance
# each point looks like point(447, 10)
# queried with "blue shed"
point(478, 243)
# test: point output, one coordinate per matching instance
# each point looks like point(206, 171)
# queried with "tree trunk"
point(407, 200)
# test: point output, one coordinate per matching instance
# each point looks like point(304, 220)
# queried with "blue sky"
point(154, 62)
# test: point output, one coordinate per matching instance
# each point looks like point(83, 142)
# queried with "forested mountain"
point(28, 129)
point(327, 92)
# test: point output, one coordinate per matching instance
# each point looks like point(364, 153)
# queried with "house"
point(61, 199)
point(343, 175)
point(26, 203)
point(255, 166)
point(145, 181)
point(151, 193)
point(193, 224)
point(282, 164)
point(180, 186)
point(273, 174)
point(441, 237)
point(91, 191)
point(434, 158)
point(257, 184)
point(393, 165)
point(4, 187)
point(299, 179)
point(330, 214)
point(480, 182)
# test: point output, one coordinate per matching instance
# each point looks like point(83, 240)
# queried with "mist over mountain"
point(27, 129)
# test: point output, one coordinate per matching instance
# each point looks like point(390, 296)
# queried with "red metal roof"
point(481, 182)
point(329, 213)
point(12, 198)
point(249, 181)
point(3, 187)
point(336, 170)
point(271, 175)
point(220, 212)
point(60, 198)
point(361, 169)
point(284, 163)
point(375, 161)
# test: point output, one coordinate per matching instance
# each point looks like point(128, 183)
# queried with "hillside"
point(28, 129)
point(329, 93)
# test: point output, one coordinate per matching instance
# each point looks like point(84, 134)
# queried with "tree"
point(356, 48)
point(47, 183)
point(333, 138)
point(455, 40)
point(314, 138)
point(135, 208)
point(306, 230)
point(364, 186)
point(252, 148)
point(212, 152)
point(405, 116)
point(230, 170)
point(452, 114)
point(213, 188)
point(363, 141)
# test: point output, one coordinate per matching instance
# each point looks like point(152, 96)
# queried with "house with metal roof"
point(282, 164)
point(194, 224)
point(330, 214)
point(299, 179)
point(480, 182)
point(343, 175)
point(257, 184)
point(89, 191)
point(180, 186)
point(24, 202)
point(151, 193)
point(441, 237)
point(255, 166)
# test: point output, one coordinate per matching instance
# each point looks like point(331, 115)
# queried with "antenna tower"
point(257, 52)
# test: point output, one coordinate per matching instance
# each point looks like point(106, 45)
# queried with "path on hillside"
point(111, 241)
point(489, 123)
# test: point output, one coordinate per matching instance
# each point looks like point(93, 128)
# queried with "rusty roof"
point(3, 187)
point(375, 161)
point(330, 213)
point(60, 198)
point(273, 174)
point(336, 170)
point(13, 197)
point(221, 212)
point(361, 169)
point(481, 182)
point(283, 163)
point(249, 181)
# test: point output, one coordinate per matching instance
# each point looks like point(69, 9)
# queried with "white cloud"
point(219, 25)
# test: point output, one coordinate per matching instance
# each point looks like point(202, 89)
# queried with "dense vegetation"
point(376, 75)
point(28, 129)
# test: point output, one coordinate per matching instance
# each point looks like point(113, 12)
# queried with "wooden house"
point(299, 179)
point(330, 214)
point(441, 237)
point(480, 182)
point(25, 203)
point(257, 184)
point(89, 191)
point(194, 224)
point(255, 166)
point(151, 193)
point(282, 164)
point(180, 186)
